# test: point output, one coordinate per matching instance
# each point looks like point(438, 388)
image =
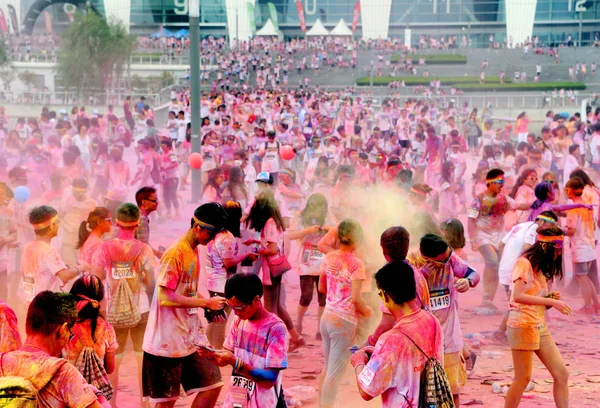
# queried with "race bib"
point(439, 299)
point(472, 212)
point(29, 287)
point(316, 255)
point(122, 270)
point(241, 391)
point(311, 253)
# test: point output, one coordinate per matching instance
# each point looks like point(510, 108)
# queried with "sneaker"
point(471, 363)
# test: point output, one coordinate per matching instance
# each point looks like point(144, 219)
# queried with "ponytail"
point(97, 215)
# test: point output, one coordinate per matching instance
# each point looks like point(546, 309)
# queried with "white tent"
point(268, 30)
point(341, 29)
point(317, 30)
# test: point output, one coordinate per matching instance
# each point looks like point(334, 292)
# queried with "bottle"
point(496, 388)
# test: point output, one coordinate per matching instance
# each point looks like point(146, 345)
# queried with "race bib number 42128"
point(122, 270)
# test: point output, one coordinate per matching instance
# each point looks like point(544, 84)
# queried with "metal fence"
point(70, 98)
point(150, 59)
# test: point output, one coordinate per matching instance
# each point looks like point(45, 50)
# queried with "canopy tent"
point(183, 33)
point(163, 33)
point(317, 30)
point(268, 30)
point(341, 29)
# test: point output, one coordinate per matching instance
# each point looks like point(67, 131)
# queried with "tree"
point(7, 73)
point(28, 78)
point(94, 53)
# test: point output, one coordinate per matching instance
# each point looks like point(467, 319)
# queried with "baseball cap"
point(264, 177)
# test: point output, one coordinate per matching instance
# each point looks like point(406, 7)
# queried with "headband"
point(205, 225)
point(495, 179)
point(85, 301)
point(286, 171)
point(79, 189)
point(129, 224)
point(45, 224)
point(418, 192)
point(546, 219)
point(556, 239)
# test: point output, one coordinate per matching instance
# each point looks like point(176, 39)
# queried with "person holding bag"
point(265, 218)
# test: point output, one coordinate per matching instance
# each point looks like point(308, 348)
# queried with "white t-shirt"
point(517, 237)
point(271, 158)
point(39, 265)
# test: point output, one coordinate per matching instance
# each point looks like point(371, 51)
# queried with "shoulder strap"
point(417, 346)
point(46, 372)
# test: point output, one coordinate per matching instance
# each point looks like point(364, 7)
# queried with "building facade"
point(552, 20)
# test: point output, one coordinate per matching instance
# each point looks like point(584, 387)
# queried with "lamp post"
point(194, 10)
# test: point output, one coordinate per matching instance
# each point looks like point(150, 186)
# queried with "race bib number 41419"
point(439, 299)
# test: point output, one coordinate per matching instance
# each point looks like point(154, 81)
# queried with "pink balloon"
point(287, 152)
point(195, 161)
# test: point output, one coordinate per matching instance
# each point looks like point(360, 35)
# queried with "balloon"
point(287, 152)
point(195, 161)
point(22, 194)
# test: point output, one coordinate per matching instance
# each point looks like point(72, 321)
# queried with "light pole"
point(195, 90)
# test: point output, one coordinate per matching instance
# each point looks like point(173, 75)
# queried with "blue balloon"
point(22, 194)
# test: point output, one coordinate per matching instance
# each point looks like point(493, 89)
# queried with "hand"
point(313, 230)
point(252, 255)
point(562, 307)
point(215, 303)
point(249, 242)
point(461, 285)
point(221, 358)
point(360, 357)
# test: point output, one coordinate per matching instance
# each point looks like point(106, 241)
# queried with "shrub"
point(414, 80)
point(532, 86)
point(434, 59)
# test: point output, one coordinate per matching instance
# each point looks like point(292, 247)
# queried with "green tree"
point(94, 53)
point(4, 59)
point(7, 73)
point(28, 78)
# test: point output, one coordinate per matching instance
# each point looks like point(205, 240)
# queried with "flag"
point(3, 26)
point(251, 18)
point(356, 15)
point(70, 10)
point(13, 19)
point(273, 15)
point(301, 15)
point(48, 21)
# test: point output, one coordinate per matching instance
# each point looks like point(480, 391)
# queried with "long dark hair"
point(454, 233)
point(89, 288)
point(212, 177)
point(583, 176)
point(264, 208)
point(234, 217)
point(520, 181)
point(540, 257)
point(315, 210)
point(542, 191)
point(94, 218)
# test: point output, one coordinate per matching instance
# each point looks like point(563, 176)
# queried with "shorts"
point(456, 370)
point(308, 284)
point(529, 338)
point(137, 335)
point(162, 376)
point(585, 268)
point(473, 142)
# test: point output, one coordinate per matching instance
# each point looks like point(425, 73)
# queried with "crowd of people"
point(367, 203)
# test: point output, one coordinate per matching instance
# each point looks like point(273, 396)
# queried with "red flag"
point(355, 15)
point(3, 25)
point(301, 15)
point(48, 21)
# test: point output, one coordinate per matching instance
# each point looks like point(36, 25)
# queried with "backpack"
point(92, 369)
point(22, 392)
point(435, 389)
point(123, 310)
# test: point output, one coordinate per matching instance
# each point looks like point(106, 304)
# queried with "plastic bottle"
point(505, 389)
point(493, 354)
point(496, 388)
point(530, 386)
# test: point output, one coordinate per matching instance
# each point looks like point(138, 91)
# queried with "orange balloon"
point(195, 161)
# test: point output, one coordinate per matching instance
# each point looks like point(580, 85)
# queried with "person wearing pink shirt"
point(91, 231)
point(256, 347)
point(10, 339)
point(522, 127)
point(393, 367)
point(342, 277)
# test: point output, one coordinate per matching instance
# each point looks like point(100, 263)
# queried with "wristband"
point(370, 340)
point(358, 365)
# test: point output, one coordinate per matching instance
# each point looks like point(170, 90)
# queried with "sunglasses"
point(238, 308)
point(499, 182)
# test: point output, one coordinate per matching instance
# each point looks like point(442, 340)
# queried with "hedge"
point(415, 80)
point(434, 59)
point(532, 86)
